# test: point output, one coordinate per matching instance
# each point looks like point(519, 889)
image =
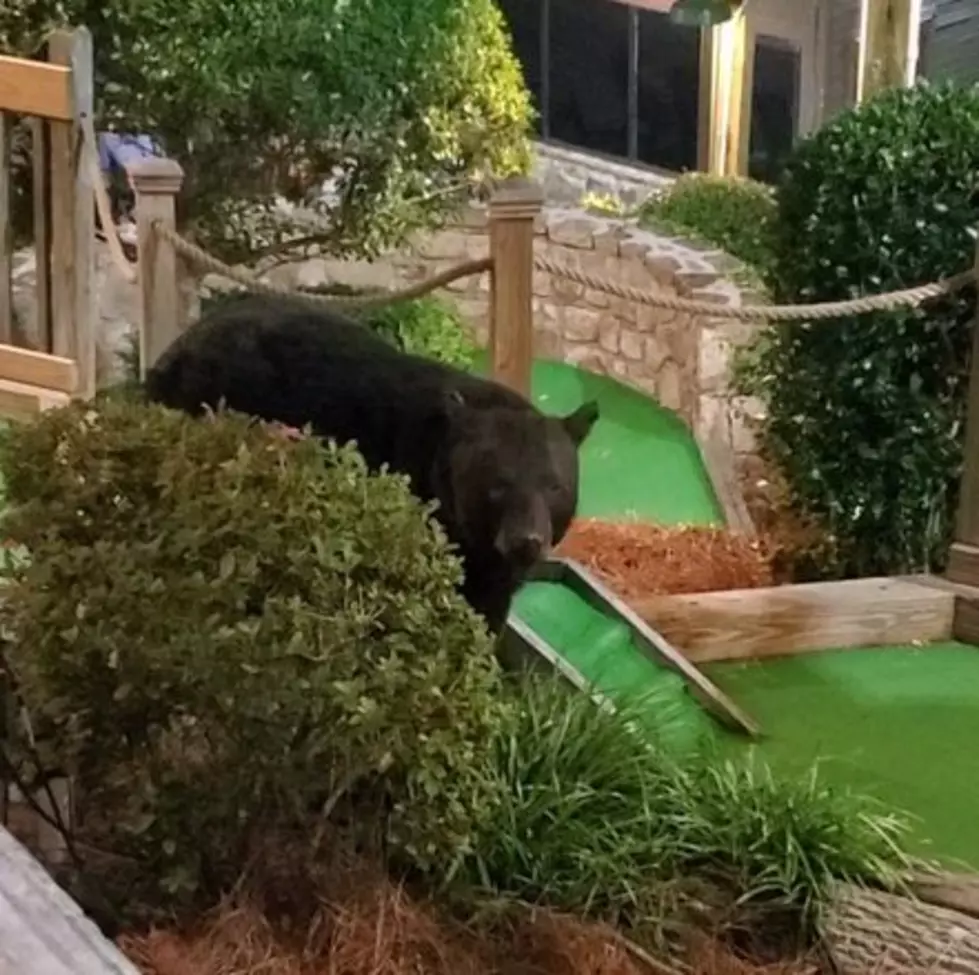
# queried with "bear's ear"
point(578, 424)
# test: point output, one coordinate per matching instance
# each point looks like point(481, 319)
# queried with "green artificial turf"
point(897, 723)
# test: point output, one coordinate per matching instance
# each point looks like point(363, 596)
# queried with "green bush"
point(865, 413)
point(405, 102)
point(736, 215)
point(426, 326)
point(223, 633)
point(596, 819)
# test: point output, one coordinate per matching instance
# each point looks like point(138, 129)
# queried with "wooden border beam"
point(21, 401)
point(748, 624)
point(36, 88)
point(38, 369)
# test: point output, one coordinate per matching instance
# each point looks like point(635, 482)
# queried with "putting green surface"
point(639, 460)
point(896, 723)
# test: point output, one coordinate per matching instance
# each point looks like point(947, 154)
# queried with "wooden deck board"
point(745, 624)
point(42, 930)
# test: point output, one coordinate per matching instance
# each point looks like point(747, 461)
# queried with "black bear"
point(505, 475)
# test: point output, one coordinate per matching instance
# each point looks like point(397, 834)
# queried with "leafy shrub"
point(404, 103)
point(224, 633)
point(865, 413)
point(736, 215)
point(427, 326)
point(596, 819)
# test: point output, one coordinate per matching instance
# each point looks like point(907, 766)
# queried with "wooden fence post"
point(513, 209)
point(72, 269)
point(156, 183)
point(963, 563)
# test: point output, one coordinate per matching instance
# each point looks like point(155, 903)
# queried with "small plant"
point(224, 633)
point(605, 203)
point(599, 817)
point(426, 326)
point(735, 215)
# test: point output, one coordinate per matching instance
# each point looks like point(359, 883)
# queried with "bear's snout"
point(524, 549)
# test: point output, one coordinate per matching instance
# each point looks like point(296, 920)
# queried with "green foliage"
point(596, 819)
point(865, 414)
point(406, 103)
point(736, 215)
point(225, 633)
point(426, 326)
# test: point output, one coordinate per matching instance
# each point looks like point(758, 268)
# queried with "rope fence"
point(820, 311)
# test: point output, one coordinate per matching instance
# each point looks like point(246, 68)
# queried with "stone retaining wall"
point(683, 361)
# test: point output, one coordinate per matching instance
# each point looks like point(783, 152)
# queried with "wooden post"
point(513, 209)
point(156, 183)
point(74, 307)
point(6, 236)
point(726, 73)
point(888, 45)
point(963, 563)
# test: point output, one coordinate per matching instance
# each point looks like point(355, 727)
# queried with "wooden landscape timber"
point(747, 624)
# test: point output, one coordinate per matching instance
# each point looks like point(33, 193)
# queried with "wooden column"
point(888, 45)
point(156, 183)
point(963, 563)
point(6, 236)
point(72, 269)
point(726, 78)
point(513, 210)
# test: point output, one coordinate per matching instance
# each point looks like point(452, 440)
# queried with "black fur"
point(504, 474)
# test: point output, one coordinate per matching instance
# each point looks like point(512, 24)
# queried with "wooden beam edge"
point(777, 621)
point(36, 88)
point(38, 369)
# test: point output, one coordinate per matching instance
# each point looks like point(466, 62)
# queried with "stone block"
point(714, 361)
point(669, 385)
point(579, 324)
point(577, 232)
point(608, 334)
point(596, 299)
point(632, 345)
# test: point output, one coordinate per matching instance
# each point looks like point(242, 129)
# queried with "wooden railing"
point(57, 95)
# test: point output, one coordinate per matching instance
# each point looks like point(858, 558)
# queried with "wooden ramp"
point(42, 930)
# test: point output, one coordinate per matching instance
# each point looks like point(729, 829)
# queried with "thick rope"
point(208, 262)
point(906, 298)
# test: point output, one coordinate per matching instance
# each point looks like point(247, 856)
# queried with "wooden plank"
point(963, 564)
point(745, 624)
point(41, 192)
point(718, 459)
point(955, 891)
point(42, 930)
point(20, 401)
point(6, 234)
point(35, 88)
point(38, 369)
point(965, 622)
point(967, 524)
point(75, 48)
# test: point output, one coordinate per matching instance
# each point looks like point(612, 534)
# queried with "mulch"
point(641, 559)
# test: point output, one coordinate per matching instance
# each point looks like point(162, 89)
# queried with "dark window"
point(589, 74)
point(609, 77)
point(669, 86)
point(774, 106)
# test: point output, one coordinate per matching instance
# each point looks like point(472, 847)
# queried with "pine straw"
point(641, 559)
point(384, 932)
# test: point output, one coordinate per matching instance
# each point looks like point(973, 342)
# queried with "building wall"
point(950, 41)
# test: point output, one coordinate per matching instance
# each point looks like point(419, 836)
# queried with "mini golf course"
point(897, 723)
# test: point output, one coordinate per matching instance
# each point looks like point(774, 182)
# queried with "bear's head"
point(510, 476)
